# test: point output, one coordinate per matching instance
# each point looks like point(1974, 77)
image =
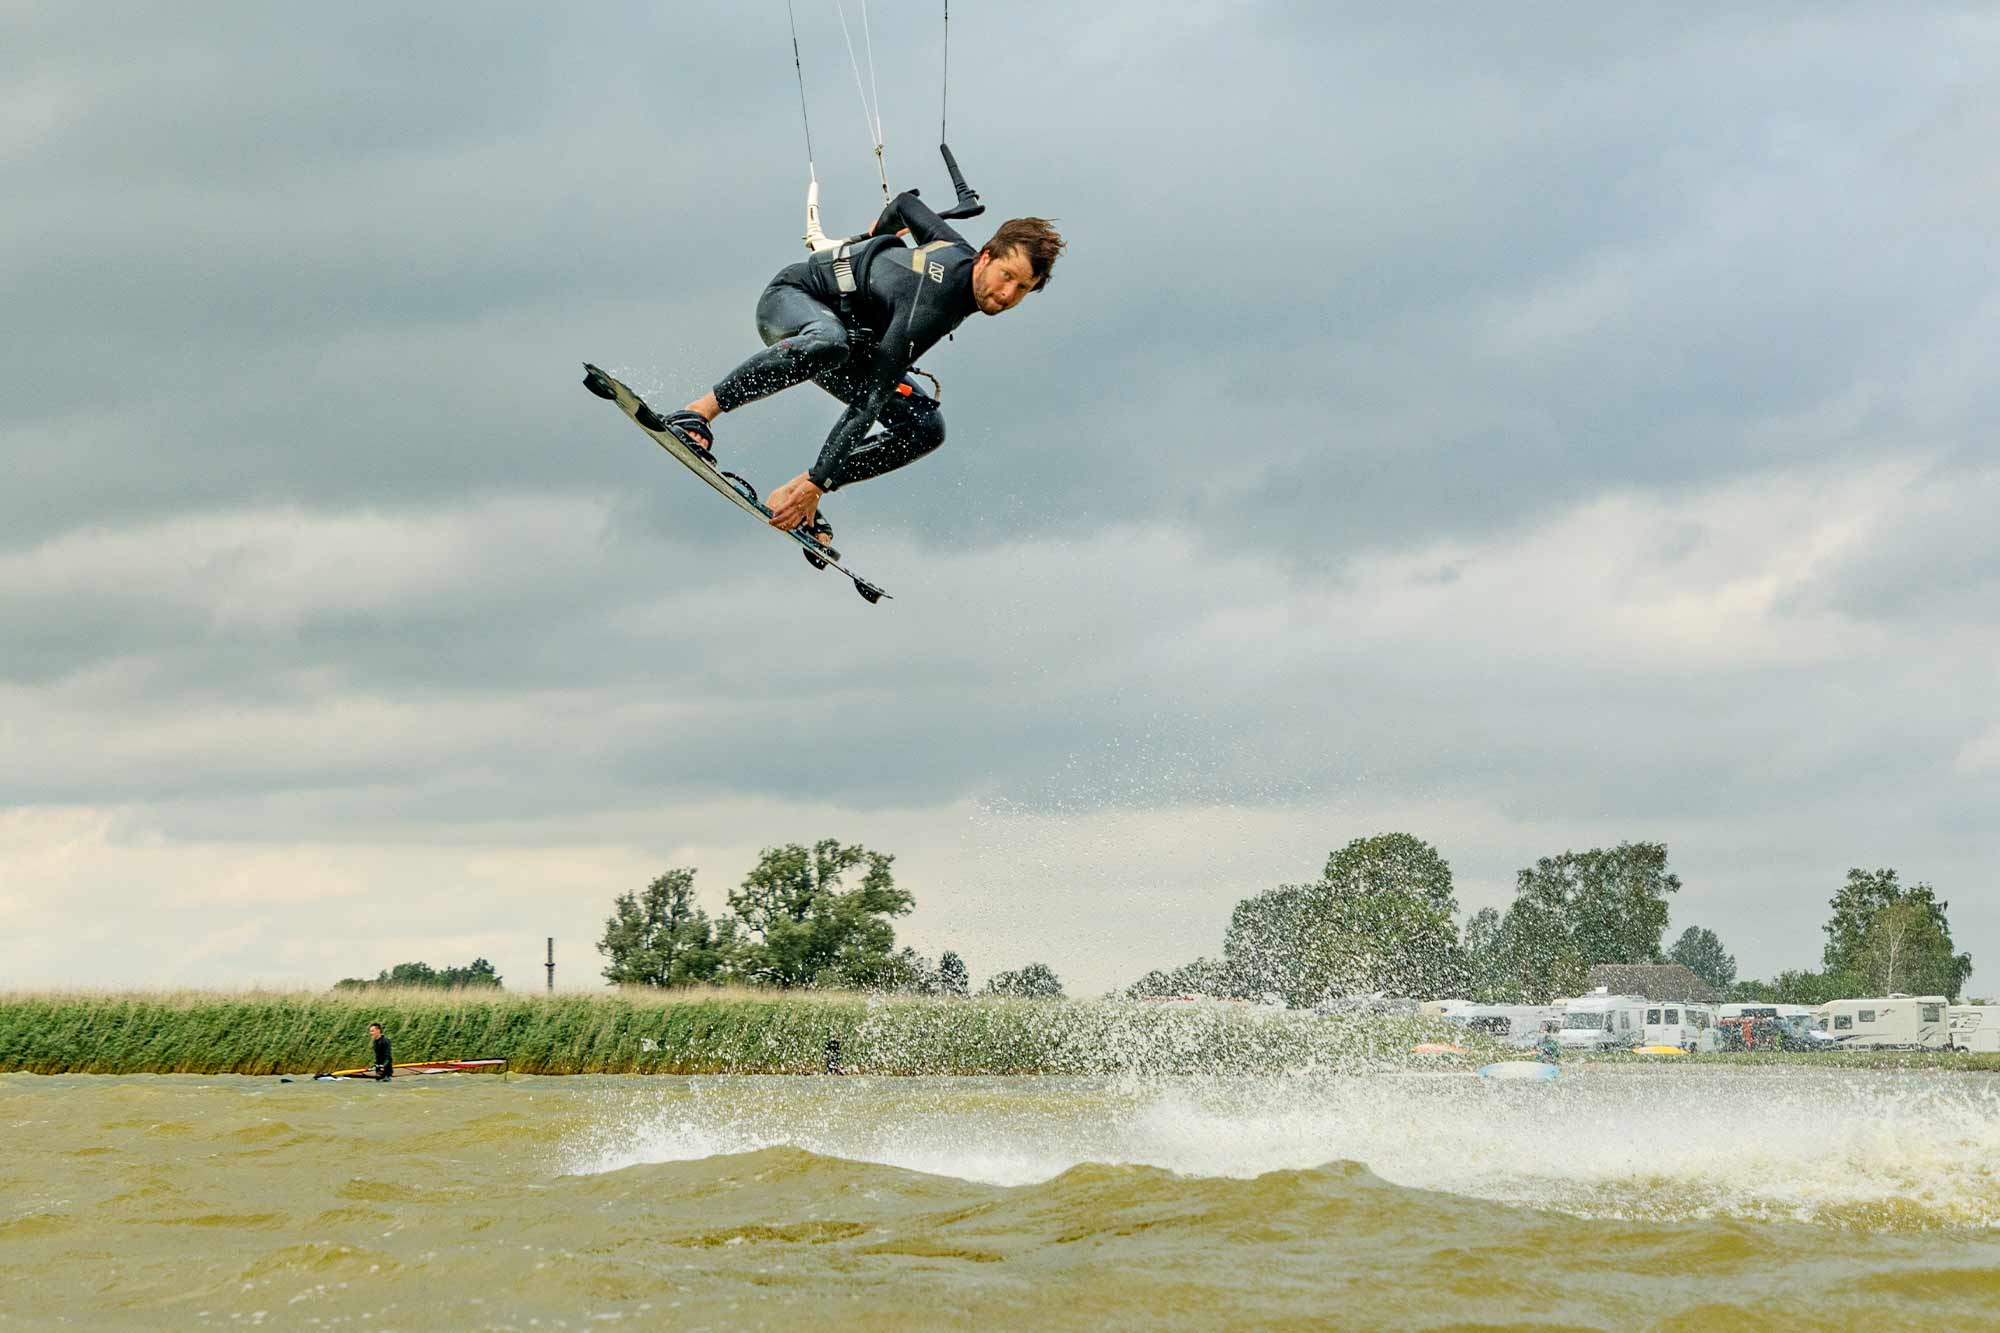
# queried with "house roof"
point(1666, 981)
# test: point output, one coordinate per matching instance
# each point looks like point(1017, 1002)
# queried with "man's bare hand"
point(795, 502)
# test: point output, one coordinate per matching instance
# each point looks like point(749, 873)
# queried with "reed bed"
point(678, 1032)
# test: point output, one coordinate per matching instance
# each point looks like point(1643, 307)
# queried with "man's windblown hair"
point(1033, 237)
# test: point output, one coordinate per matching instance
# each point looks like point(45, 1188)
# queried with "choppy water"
point(1692, 1198)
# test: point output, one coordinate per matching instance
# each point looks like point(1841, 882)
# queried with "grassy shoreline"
point(675, 1032)
point(736, 1031)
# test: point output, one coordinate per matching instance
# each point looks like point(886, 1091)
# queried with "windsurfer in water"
point(384, 1066)
point(854, 319)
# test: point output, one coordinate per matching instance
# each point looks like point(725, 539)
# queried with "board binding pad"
point(735, 489)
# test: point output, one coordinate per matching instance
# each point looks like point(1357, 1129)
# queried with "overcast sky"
point(1525, 427)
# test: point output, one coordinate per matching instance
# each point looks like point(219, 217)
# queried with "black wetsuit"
point(384, 1065)
point(859, 345)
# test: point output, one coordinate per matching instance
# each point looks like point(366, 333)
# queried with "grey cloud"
point(1345, 283)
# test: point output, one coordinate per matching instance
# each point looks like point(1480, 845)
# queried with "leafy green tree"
point(800, 925)
point(661, 938)
point(1801, 986)
point(1907, 949)
point(1854, 906)
point(478, 974)
point(1490, 973)
point(402, 974)
point(1890, 946)
point(1755, 992)
point(1571, 913)
point(1203, 976)
point(1392, 862)
point(953, 979)
point(1534, 958)
point(1895, 938)
point(475, 974)
point(1310, 942)
point(1036, 981)
point(1700, 951)
point(905, 972)
point(1602, 905)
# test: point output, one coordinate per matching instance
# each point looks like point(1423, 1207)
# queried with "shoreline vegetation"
point(740, 1031)
point(677, 1031)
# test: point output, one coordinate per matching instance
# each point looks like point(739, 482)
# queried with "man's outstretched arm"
point(798, 499)
point(907, 211)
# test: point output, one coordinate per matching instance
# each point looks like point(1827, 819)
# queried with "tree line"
point(803, 917)
point(1381, 919)
point(476, 975)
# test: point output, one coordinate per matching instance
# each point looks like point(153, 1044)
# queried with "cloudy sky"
point(1525, 428)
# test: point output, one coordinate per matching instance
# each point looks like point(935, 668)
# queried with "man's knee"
point(801, 330)
point(817, 348)
point(922, 421)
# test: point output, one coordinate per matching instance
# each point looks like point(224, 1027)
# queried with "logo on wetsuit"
point(937, 272)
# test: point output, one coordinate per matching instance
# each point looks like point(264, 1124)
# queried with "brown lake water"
point(1622, 1197)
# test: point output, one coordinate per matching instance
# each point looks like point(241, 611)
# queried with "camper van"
point(1672, 1023)
point(1801, 1024)
point(1917, 1022)
point(1509, 1024)
point(1975, 1027)
point(1602, 1022)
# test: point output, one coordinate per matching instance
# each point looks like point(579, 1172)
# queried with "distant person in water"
point(384, 1066)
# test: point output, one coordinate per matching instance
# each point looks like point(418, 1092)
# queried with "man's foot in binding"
point(820, 531)
point(690, 428)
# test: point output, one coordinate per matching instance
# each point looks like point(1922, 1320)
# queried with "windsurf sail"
point(417, 1068)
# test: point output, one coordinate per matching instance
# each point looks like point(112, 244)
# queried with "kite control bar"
point(968, 206)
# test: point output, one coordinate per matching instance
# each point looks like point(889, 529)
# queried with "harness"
point(846, 281)
point(848, 285)
point(843, 272)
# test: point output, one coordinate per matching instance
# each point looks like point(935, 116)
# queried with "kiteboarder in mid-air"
point(853, 319)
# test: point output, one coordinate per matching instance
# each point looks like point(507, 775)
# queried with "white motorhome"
point(1445, 1008)
point(1510, 1024)
point(1673, 1023)
point(1975, 1027)
point(1916, 1021)
point(1601, 1022)
point(1801, 1022)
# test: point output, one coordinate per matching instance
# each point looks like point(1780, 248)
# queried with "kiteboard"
point(732, 487)
point(417, 1068)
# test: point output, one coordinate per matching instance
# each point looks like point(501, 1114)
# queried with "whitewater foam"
point(1859, 1148)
